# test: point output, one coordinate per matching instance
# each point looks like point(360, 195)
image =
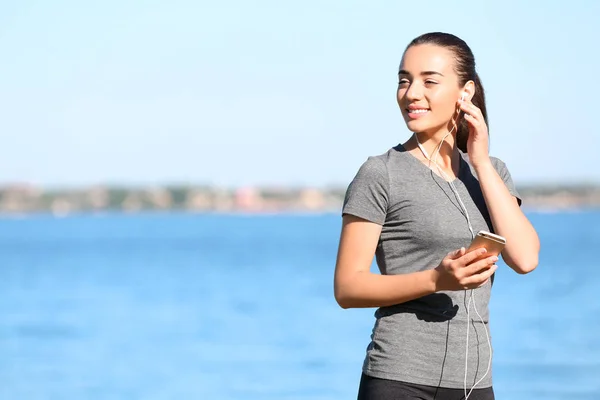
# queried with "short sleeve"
point(502, 170)
point(368, 193)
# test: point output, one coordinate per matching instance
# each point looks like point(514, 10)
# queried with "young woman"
point(417, 207)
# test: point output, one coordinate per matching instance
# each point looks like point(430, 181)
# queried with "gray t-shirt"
point(423, 341)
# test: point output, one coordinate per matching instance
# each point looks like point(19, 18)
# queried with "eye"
point(430, 82)
point(403, 81)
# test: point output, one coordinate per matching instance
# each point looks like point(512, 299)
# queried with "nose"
point(414, 92)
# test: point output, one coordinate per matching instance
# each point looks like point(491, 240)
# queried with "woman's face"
point(428, 90)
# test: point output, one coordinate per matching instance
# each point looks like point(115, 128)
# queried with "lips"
point(416, 112)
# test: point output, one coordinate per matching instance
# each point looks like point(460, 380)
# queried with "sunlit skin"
point(428, 81)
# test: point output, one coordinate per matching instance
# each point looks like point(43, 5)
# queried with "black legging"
point(384, 389)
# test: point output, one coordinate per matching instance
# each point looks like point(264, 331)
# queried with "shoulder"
point(372, 173)
point(503, 171)
point(376, 170)
point(383, 162)
point(368, 194)
point(379, 164)
point(375, 163)
point(501, 168)
point(498, 164)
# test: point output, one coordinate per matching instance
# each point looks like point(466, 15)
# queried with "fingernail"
point(494, 259)
point(483, 251)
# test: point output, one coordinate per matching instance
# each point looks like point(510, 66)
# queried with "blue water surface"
point(184, 306)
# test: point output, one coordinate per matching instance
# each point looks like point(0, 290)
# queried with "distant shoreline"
point(97, 200)
point(241, 214)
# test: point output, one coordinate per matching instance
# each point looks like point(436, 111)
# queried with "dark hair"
point(464, 68)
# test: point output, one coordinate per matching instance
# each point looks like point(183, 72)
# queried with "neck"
point(443, 153)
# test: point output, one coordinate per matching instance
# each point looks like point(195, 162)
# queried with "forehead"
point(426, 57)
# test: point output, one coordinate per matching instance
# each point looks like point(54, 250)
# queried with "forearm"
point(522, 242)
point(366, 289)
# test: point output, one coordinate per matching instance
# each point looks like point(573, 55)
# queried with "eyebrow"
point(424, 73)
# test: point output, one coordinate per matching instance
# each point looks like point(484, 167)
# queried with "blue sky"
point(277, 93)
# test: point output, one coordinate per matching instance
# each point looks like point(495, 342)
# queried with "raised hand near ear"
point(478, 142)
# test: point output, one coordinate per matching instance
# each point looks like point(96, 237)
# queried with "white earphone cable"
point(464, 208)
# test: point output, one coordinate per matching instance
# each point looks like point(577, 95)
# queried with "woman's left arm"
point(522, 242)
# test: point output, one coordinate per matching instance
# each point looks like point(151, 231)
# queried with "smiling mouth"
point(418, 111)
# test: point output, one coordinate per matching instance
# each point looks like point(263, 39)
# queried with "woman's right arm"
point(356, 287)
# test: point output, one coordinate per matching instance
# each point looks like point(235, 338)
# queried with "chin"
point(418, 126)
point(424, 126)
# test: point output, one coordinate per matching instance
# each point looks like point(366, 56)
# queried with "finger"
point(471, 256)
point(480, 278)
point(483, 283)
point(457, 253)
point(472, 112)
point(470, 108)
point(476, 267)
point(471, 119)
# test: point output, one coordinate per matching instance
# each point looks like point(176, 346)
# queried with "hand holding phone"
point(470, 268)
point(494, 244)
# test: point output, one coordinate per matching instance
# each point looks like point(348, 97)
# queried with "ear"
point(468, 91)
